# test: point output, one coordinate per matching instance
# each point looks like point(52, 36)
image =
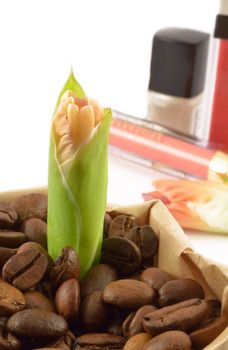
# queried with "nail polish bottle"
point(177, 79)
point(218, 132)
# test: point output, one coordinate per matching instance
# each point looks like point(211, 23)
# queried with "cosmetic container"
point(156, 147)
point(177, 79)
point(218, 130)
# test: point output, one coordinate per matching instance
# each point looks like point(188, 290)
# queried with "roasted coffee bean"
point(121, 225)
point(127, 322)
point(94, 312)
point(8, 216)
point(48, 349)
point(169, 341)
point(11, 239)
point(97, 278)
point(8, 341)
point(5, 255)
point(11, 299)
point(147, 241)
point(135, 325)
point(25, 269)
point(174, 291)
point(3, 321)
point(214, 308)
point(107, 222)
point(183, 316)
point(34, 299)
point(39, 247)
point(31, 245)
point(155, 277)
point(121, 254)
point(36, 323)
point(205, 334)
point(66, 267)
point(100, 341)
point(33, 205)
point(35, 231)
point(65, 342)
point(137, 342)
point(128, 294)
point(67, 299)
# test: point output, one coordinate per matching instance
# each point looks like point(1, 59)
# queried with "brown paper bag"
point(175, 254)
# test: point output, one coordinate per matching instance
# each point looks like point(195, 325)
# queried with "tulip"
point(78, 175)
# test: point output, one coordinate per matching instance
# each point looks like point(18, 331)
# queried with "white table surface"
point(127, 182)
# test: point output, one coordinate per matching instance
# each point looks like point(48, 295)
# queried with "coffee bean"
point(137, 342)
point(147, 241)
point(155, 277)
point(178, 290)
point(11, 239)
point(67, 299)
point(35, 231)
point(25, 269)
point(100, 341)
point(182, 316)
point(121, 224)
point(5, 255)
point(3, 321)
point(169, 340)
point(206, 333)
point(8, 341)
point(66, 267)
point(8, 216)
point(214, 308)
point(65, 342)
point(34, 299)
point(31, 245)
point(127, 322)
point(128, 294)
point(32, 343)
point(97, 278)
point(40, 248)
point(121, 254)
point(107, 222)
point(11, 299)
point(94, 312)
point(50, 348)
point(135, 325)
point(35, 323)
point(33, 205)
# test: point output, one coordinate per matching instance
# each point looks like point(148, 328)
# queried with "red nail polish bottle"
point(219, 117)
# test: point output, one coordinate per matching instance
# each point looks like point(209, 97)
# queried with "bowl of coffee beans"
point(150, 290)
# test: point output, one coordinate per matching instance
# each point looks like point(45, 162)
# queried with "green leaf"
point(88, 179)
point(71, 84)
point(62, 209)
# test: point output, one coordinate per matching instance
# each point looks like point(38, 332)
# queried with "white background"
point(107, 42)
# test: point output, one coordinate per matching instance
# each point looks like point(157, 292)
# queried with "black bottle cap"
point(221, 27)
point(178, 62)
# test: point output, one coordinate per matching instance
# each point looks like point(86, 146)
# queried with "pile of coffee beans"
point(125, 302)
